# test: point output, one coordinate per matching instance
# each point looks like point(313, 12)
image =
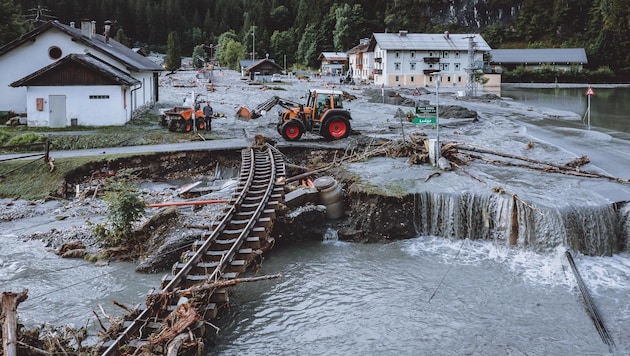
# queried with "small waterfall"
point(592, 230)
point(462, 216)
point(331, 235)
point(624, 211)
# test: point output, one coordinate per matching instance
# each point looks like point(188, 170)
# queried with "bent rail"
point(231, 246)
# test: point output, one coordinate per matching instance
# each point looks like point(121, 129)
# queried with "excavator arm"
point(245, 113)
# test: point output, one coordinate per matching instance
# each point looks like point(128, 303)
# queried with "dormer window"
point(54, 52)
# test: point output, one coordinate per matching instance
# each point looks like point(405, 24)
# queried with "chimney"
point(402, 33)
point(72, 24)
point(108, 26)
point(86, 28)
point(446, 35)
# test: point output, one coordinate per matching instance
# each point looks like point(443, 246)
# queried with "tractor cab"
point(321, 100)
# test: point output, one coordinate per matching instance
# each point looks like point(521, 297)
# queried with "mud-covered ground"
point(379, 116)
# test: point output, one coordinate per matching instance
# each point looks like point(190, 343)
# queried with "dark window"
point(54, 52)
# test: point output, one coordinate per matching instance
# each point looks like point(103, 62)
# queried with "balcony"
point(429, 71)
point(377, 71)
point(378, 60)
point(431, 60)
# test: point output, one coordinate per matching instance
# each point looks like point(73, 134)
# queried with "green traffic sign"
point(426, 110)
point(424, 120)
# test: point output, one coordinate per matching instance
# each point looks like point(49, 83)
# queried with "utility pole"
point(471, 83)
point(253, 43)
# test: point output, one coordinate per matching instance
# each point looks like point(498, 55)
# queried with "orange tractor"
point(322, 115)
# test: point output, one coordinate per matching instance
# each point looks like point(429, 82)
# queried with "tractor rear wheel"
point(172, 125)
point(291, 131)
point(336, 128)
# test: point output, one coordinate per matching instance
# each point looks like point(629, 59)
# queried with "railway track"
point(193, 294)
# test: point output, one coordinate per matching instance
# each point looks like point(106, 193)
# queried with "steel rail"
point(254, 167)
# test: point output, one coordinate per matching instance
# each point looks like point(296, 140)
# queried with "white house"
point(80, 87)
point(412, 59)
point(61, 75)
point(332, 62)
point(361, 61)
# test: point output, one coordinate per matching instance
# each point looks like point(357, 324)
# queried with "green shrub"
point(123, 209)
point(4, 137)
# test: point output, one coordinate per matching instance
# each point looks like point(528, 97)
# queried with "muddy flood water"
point(419, 296)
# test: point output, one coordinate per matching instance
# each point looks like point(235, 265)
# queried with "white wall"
point(79, 105)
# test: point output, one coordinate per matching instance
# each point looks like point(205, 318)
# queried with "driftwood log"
point(10, 302)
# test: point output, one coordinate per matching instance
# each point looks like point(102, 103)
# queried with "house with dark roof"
point(415, 59)
point(536, 58)
point(61, 75)
point(264, 67)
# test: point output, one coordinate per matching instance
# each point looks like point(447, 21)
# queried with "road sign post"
point(589, 92)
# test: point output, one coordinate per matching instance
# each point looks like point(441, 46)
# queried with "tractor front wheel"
point(201, 124)
point(186, 125)
point(291, 131)
point(336, 128)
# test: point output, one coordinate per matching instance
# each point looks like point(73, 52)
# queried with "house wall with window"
point(415, 59)
point(84, 105)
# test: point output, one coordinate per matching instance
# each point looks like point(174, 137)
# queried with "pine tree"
point(173, 52)
point(11, 24)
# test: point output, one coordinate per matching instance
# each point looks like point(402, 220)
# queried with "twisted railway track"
point(175, 314)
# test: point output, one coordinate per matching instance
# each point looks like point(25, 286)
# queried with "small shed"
point(101, 94)
point(333, 63)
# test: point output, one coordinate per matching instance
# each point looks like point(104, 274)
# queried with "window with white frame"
point(397, 66)
point(412, 66)
point(397, 54)
point(413, 54)
point(444, 66)
point(457, 65)
point(396, 78)
point(457, 54)
point(445, 54)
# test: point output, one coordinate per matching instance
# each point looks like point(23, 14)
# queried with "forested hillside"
point(301, 29)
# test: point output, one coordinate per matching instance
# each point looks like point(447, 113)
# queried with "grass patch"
point(32, 180)
point(20, 179)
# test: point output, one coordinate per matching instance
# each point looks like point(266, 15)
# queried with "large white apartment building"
point(414, 59)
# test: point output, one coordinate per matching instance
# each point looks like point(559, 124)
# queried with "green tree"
point(173, 52)
point(222, 47)
point(121, 37)
point(232, 54)
point(282, 44)
point(199, 57)
point(11, 23)
point(307, 48)
point(349, 26)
